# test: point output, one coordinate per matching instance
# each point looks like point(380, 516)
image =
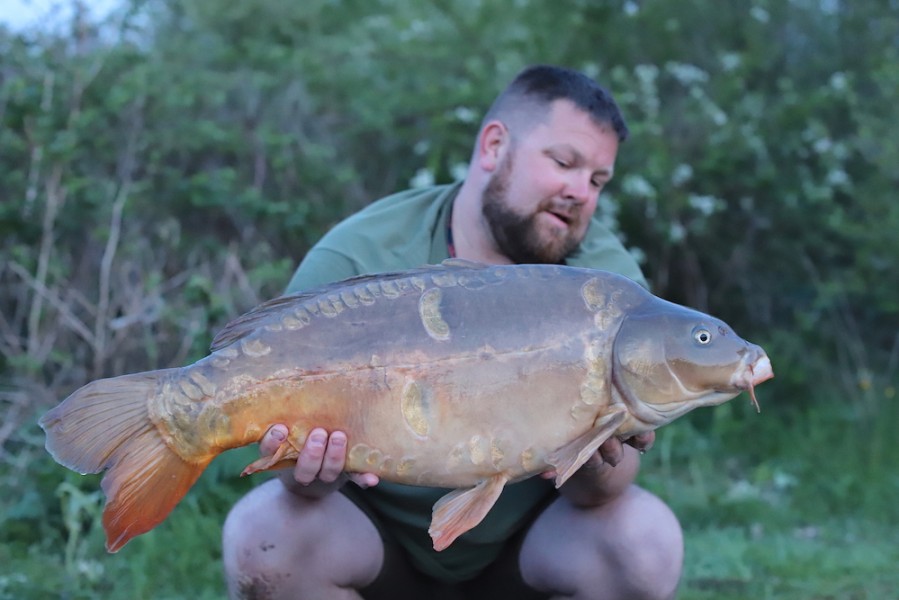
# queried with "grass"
point(798, 502)
point(55, 550)
point(842, 558)
point(793, 503)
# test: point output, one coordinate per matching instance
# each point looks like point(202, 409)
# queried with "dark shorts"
point(399, 580)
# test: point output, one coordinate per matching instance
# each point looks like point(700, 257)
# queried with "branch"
point(74, 323)
point(55, 197)
point(101, 323)
point(124, 172)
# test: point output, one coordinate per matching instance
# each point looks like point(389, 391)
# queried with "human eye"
point(597, 183)
point(599, 180)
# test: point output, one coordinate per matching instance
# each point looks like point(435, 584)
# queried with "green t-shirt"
point(404, 231)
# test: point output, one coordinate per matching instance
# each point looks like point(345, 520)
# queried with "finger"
point(611, 451)
point(335, 457)
point(642, 441)
point(311, 456)
point(364, 480)
point(273, 438)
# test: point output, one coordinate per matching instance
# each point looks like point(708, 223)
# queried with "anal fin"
point(572, 456)
point(461, 510)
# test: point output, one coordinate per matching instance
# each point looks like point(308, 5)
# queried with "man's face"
point(539, 201)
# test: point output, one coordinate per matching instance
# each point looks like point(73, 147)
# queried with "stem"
point(101, 323)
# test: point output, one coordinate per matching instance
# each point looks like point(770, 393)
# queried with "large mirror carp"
point(461, 375)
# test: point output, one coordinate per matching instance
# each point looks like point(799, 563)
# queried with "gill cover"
point(670, 359)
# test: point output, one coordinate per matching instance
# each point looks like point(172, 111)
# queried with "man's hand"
point(612, 450)
point(319, 469)
point(598, 481)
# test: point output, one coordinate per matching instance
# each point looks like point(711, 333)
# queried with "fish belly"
point(449, 423)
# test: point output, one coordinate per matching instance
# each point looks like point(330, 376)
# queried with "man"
point(544, 151)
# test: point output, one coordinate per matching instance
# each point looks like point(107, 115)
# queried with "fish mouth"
point(754, 369)
point(750, 374)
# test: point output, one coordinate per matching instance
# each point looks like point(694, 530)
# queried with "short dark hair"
point(543, 84)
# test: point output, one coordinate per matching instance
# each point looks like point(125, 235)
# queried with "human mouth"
point(554, 221)
point(560, 217)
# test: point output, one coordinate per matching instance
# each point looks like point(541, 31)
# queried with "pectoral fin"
point(285, 456)
point(461, 510)
point(571, 457)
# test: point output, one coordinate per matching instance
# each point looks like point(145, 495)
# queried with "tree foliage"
point(189, 155)
point(166, 169)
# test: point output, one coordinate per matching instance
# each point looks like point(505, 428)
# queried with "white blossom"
point(686, 73)
point(838, 81)
point(637, 185)
point(760, 14)
point(682, 174)
point(459, 171)
point(464, 114)
point(422, 178)
point(707, 205)
point(730, 61)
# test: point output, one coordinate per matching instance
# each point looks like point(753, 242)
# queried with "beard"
point(519, 236)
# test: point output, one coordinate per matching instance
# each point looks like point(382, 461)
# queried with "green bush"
point(165, 170)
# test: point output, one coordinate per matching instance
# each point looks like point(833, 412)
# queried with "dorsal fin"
point(272, 310)
point(249, 322)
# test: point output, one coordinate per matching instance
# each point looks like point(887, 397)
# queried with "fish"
point(460, 375)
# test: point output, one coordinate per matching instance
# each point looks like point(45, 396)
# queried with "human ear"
point(492, 142)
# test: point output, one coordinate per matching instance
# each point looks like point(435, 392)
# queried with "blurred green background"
point(163, 169)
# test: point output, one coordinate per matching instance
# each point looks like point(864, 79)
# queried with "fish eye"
point(702, 336)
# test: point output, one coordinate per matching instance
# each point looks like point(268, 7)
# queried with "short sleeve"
point(319, 267)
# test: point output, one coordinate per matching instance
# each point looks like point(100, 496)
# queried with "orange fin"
point(144, 487)
point(105, 426)
point(461, 510)
point(572, 456)
point(285, 456)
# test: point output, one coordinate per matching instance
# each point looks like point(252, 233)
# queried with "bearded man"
point(543, 153)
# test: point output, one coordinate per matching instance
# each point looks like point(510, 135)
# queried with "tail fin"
point(106, 425)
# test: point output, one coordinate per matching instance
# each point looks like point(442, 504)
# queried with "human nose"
point(579, 189)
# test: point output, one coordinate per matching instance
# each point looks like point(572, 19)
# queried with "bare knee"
point(631, 548)
point(277, 545)
point(646, 546)
point(254, 552)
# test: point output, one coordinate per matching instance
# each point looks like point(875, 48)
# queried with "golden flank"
point(462, 376)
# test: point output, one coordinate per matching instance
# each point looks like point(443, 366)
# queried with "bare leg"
point(278, 545)
point(631, 547)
